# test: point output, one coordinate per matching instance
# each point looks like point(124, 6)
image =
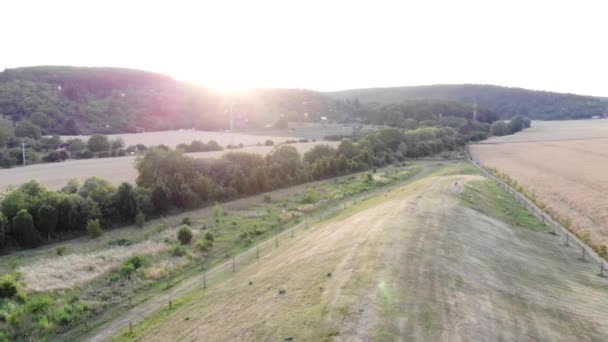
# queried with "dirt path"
point(409, 265)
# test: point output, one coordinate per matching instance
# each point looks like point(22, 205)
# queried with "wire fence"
point(568, 238)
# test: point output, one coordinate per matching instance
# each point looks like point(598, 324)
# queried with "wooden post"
point(170, 304)
point(566, 240)
point(130, 302)
point(204, 280)
point(583, 252)
point(276, 242)
point(233, 268)
point(257, 253)
point(131, 327)
point(601, 268)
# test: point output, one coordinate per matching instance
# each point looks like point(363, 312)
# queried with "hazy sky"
point(325, 45)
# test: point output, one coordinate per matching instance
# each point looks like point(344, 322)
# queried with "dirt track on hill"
point(410, 265)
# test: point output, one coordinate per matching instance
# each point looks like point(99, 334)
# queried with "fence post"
point(204, 280)
point(566, 240)
point(233, 266)
point(583, 253)
point(276, 242)
point(601, 268)
point(257, 253)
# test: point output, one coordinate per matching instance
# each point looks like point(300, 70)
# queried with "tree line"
point(170, 180)
point(40, 148)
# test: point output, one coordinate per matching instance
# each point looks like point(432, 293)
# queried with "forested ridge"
point(504, 101)
point(82, 100)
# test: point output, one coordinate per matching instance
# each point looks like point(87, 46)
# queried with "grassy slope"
point(422, 262)
point(244, 216)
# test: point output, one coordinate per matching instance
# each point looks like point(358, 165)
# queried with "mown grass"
point(487, 197)
point(334, 193)
point(237, 230)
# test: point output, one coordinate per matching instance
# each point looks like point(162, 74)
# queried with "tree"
point(184, 235)
point(46, 219)
point(499, 128)
point(24, 231)
point(118, 143)
point(26, 129)
point(3, 229)
point(98, 143)
point(319, 152)
point(161, 198)
point(76, 145)
point(6, 132)
point(94, 228)
point(125, 202)
point(347, 148)
point(517, 124)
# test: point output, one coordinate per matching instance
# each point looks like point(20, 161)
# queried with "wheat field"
point(564, 164)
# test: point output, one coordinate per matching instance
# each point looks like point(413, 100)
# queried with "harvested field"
point(564, 164)
point(174, 138)
point(116, 170)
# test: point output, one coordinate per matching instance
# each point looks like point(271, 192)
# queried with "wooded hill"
point(79, 100)
point(72, 100)
point(504, 101)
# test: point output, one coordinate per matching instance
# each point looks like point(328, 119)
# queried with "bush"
point(10, 289)
point(267, 198)
point(140, 219)
point(178, 251)
point(60, 251)
point(203, 245)
point(24, 231)
point(186, 221)
point(269, 143)
point(218, 211)
point(94, 228)
point(209, 236)
point(126, 270)
point(98, 143)
point(311, 197)
point(184, 235)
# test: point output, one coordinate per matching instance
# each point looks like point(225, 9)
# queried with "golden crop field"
point(564, 164)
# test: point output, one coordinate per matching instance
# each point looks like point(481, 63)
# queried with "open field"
point(174, 138)
point(564, 164)
point(115, 170)
point(296, 130)
point(426, 261)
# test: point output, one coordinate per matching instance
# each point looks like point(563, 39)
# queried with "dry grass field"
point(174, 138)
point(116, 170)
point(416, 263)
point(564, 164)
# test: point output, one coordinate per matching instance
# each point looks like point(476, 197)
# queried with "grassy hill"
point(505, 101)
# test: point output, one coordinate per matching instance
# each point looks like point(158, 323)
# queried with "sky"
point(323, 45)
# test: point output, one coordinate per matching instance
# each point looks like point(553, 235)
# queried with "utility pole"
point(23, 150)
point(475, 111)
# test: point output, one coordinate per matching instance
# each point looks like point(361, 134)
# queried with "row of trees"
point(516, 124)
point(53, 148)
point(170, 179)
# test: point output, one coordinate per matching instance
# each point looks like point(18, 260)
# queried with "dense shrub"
point(94, 228)
point(140, 219)
point(24, 231)
point(184, 235)
point(10, 288)
point(209, 236)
